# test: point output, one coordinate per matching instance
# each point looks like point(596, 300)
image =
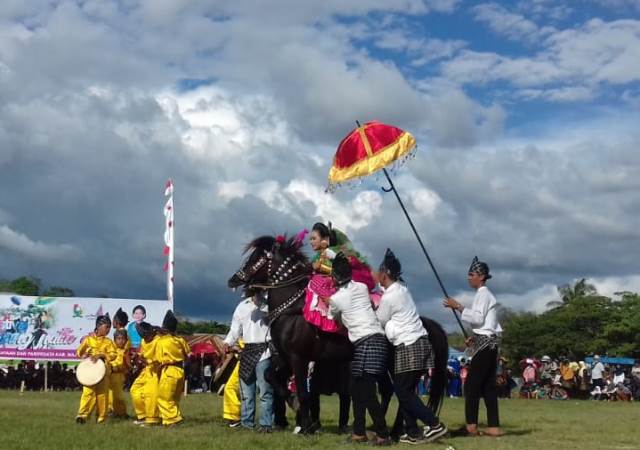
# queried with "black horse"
point(277, 266)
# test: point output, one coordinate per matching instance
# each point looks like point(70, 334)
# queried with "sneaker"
point(264, 430)
point(234, 424)
point(432, 433)
point(81, 420)
point(407, 439)
point(138, 422)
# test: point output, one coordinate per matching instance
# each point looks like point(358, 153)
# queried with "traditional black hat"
point(341, 269)
point(479, 267)
point(170, 323)
point(391, 265)
point(144, 328)
point(103, 320)
point(121, 317)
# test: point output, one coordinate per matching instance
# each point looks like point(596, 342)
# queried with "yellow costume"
point(102, 347)
point(171, 351)
point(231, 400)
point(119, 369)
point(144, 390)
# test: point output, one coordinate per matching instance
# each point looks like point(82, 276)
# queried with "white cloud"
point(512, 25)
point(290, 199)
point(20, 244)
point(609, 286)
point(571, 65)
point(425, 201)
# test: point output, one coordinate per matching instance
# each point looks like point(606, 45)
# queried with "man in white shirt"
point(353, 306)
point(249, 324)
point(597, 372)
point(413, 354)
point(483, 345)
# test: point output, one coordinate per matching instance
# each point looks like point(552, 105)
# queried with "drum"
point(223, 372)
point(90, 373)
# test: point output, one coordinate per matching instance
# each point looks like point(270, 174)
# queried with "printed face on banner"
point(51, 328)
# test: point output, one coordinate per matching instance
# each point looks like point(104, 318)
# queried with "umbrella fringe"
point(356, 182)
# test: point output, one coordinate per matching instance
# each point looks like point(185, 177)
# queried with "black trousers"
point(363, 393)
point(411, 407)
point(481, 382)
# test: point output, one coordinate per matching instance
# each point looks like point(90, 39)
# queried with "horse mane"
point(260, 243)
point(288, 246)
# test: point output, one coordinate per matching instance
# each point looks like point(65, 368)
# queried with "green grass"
point(45, 421)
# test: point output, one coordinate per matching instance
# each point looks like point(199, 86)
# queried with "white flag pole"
point(168, 240)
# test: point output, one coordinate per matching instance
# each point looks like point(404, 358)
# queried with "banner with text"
point(51, 328)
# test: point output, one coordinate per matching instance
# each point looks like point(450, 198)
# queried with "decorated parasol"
point(372, 147)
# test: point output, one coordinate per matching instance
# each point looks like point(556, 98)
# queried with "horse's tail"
point(440, 345)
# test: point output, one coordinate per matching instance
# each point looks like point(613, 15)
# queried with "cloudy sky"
point(526, 116)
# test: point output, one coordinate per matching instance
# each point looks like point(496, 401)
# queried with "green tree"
point(27, 285)
point(569, 293)
point(58, 291)
point(187, 327)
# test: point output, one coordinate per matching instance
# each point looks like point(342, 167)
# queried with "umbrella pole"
point(424, 250)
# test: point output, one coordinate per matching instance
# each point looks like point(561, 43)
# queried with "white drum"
point(90, 373)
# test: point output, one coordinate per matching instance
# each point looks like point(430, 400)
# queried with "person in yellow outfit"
point(119, 368)
point(144, 390)
point(117, 378)
point(231, 400)
point(171, 351)
point(96, 346)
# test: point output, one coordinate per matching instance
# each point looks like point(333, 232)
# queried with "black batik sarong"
point(249, 358)
point(370, 355)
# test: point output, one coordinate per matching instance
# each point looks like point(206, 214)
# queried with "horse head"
point(255, 266)
point(271, 261)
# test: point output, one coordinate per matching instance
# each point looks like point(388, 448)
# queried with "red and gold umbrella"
point(367, 149)
point(372, 147)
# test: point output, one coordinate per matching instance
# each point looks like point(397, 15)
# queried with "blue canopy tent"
point(612, 360)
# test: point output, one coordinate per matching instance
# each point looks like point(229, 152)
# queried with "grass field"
point(45, 421)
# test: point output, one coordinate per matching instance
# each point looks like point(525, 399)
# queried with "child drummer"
point(96, 346)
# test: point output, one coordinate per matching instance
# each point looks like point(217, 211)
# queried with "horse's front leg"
point(301, 370)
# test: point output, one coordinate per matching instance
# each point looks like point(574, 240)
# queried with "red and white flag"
point(168, 239)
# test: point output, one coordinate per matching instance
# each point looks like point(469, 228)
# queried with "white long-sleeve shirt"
point(399, 317)
point(249, 324)
point(483, 314)
point(353, 305)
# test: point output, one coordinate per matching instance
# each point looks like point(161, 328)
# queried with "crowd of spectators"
point(30, 375)
point(559, 379)
point(457, 369)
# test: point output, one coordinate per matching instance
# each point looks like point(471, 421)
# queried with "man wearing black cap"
point(352, 303)
point(413, 355)
point(249, 324)
point(483, 349)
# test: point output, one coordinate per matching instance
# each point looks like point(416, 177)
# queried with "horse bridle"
point(245, 276)
point(279, 276)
